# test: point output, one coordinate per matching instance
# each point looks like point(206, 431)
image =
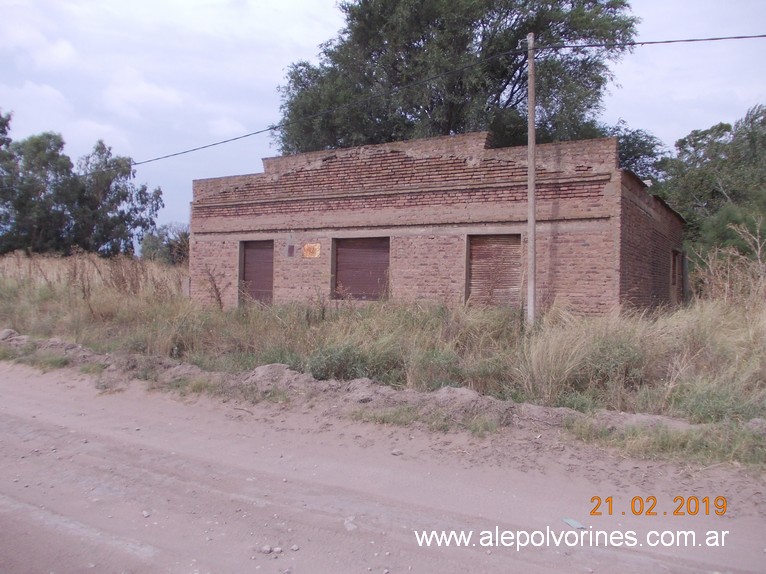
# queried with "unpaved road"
point(135, 481)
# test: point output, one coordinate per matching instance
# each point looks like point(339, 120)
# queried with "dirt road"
point(138, 481)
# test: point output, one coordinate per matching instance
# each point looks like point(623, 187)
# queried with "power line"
point(190, 150)
point(443, 74)
point(693, 40)
point(651, 42)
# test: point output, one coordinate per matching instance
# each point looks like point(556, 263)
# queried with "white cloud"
point(85, 133)
point(55, 55)
point(129, 94)
point(44, 109)
point(33, 37)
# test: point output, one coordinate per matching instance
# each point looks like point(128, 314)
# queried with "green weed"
point(45, 361)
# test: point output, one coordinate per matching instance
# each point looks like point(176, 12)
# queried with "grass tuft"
point(44, 361)
point(93, 368)
point(705, 445)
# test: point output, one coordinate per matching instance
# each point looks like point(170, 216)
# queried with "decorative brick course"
point(602, 239)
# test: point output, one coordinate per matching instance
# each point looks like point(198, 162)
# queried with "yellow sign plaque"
point(311, 250)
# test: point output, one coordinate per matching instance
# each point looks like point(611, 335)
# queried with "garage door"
point(258, 270)
point(494, 269)
point(361, 268)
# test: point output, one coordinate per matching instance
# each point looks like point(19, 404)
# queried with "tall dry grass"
point(705, 362)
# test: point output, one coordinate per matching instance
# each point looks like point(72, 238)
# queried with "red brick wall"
point(427, 196)
point(214, 270)
point(649, 232)
point(299, 278)
point(428, 266)
point(576, 266)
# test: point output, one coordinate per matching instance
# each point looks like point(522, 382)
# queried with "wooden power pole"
point(531, 173)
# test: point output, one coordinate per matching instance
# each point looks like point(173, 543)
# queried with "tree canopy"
point(401, 69)
point(48, 205)
point(717, 180)
point(169, 244)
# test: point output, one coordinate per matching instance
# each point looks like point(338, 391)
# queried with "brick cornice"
point(545, 183)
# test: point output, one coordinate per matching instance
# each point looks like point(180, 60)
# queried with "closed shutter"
point(258, 270)
point(361, 268)
point(494, 269)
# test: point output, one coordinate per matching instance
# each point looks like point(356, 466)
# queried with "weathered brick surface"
point(214, 265)
point(428, 266)
point(575, 266)
point(299, 278)
point(649, 232)
point(428, 196)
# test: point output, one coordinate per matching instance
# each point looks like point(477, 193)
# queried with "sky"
point(152, 78)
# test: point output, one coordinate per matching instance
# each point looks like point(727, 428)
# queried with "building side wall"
point(649, 234)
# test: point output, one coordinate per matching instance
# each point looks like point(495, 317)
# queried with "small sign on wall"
point(311, 250)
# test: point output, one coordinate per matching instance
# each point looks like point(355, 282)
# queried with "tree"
point(47, 206)
point(7, 174)
point(8, 169)
point(415, 68)
point(717, 180)
point(108, 211)
point(6, 163)
point(169, 244)
point(38, 175)
point(640, 152)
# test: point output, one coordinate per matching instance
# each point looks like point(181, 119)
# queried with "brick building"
point(442, 219)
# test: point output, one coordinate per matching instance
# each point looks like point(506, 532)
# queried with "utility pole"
point(531, 174)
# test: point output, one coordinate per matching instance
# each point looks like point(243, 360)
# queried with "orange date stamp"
point(647, 506)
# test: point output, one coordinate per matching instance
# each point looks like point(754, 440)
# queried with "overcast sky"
point(156, 77)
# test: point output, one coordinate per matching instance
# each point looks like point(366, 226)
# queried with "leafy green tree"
point(7, 173)
point(39, 176)
point(436, 67)
point(47, 206)
point(717, 179)
point(168, 243)
point(6, 158)
point(640, 151)
point(108, 211)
